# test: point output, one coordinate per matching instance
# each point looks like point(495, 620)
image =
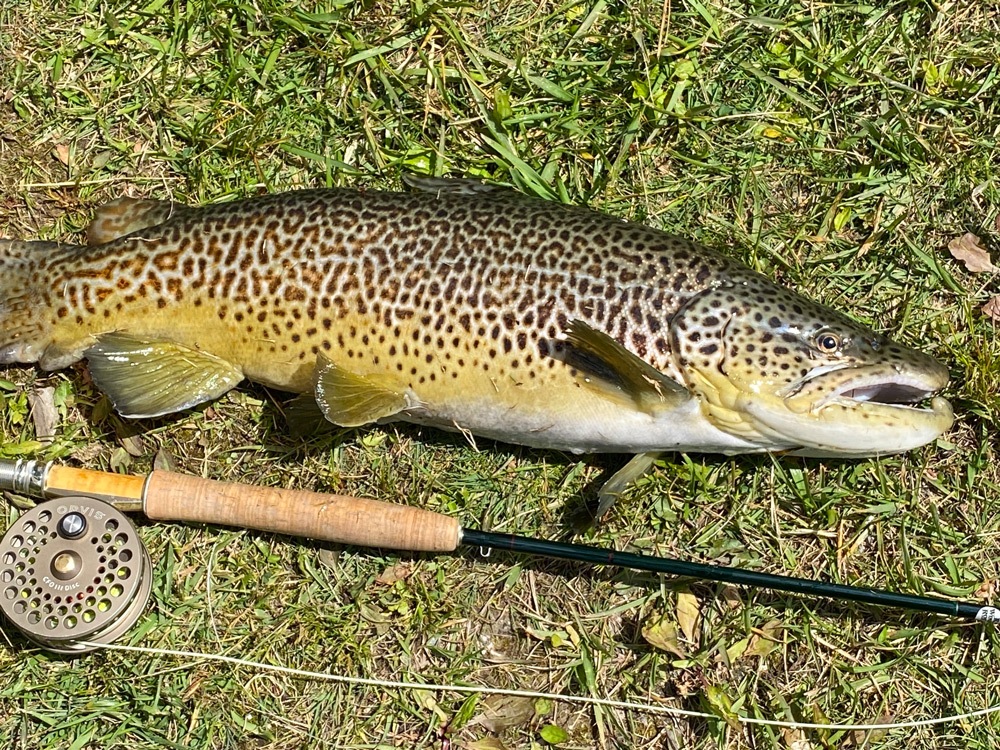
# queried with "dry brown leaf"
point(130, 438)
point(992, 308)
point(502, 712)
point(969, 249)
point(731, 596)
point(986, 590)
point(872, 738)
point(736, 650)
point(44, 414)
point(486, 743)
point(687, 616)
point(795, 739)
point(661, 633)
point(164, 461)
point(61, 152)
point(329, 557)
point(132, 444)
point(765, 639)
point(393, 573)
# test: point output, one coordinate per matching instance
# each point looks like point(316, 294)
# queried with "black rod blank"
point(602, 556)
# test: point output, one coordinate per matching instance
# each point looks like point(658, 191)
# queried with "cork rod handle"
point(333, 518)
point(61, 481)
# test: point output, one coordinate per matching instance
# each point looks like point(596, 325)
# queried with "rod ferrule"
point(25, 477)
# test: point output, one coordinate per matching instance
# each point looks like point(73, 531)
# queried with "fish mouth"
point(908, 393)
point(885, 386)
point(896, 394)
point(857, 411)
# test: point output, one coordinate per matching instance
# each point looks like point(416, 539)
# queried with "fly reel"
point(73, 571)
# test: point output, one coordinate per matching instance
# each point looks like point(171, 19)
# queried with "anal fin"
point(607, 366)
point(146, 378)
point(126, 215)
point(351, 400)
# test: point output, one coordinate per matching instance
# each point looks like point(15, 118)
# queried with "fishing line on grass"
point(577, 699)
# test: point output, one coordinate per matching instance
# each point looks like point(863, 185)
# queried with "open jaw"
point(856, 411)
point(881, 385)
point(891, 392)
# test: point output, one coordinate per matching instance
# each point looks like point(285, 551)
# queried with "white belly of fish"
point(594, 427)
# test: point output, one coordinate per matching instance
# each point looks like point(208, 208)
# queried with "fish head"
point(787, 373)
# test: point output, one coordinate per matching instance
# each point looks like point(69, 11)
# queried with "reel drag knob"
point(73, 570)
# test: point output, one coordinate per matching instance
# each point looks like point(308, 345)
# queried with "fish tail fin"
point(25, 325)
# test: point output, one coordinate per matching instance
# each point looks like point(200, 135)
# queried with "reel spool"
point(73, 570)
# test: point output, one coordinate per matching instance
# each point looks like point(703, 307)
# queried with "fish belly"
point(587, 426)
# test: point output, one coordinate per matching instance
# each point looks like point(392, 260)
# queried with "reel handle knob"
point(72, 526)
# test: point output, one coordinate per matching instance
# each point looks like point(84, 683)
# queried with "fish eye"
point(828, 342)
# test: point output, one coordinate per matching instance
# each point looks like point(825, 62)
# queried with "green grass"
point(837, 147)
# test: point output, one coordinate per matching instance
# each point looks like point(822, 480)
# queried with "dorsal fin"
point(126, 215)
point(450, 185)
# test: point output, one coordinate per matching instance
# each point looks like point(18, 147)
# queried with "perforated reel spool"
point(73, 570)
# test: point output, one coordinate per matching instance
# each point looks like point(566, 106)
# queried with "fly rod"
point(88, 496)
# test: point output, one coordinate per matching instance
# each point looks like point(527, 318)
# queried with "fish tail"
point(24, 320)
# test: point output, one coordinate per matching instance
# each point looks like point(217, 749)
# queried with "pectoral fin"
point(151, 378)
point(351, 400)
point(606, 365)
point(126, 215)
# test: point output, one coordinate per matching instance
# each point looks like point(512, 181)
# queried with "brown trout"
point(470, 308)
